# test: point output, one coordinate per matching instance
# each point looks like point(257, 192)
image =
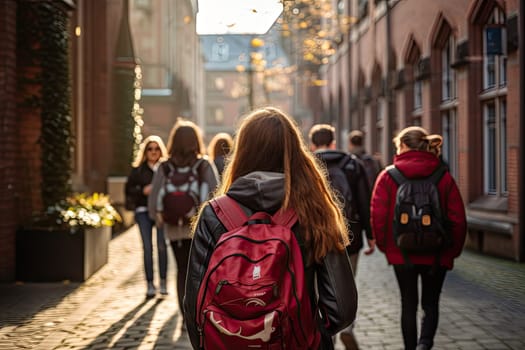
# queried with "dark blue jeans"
point(146, 233)
point(432, 279)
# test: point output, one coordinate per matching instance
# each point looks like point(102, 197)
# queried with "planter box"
point(48, 256)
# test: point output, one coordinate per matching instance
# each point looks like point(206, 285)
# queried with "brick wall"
point(9, 143)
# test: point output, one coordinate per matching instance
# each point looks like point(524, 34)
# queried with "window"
point(219, 83)
point(215, 116)
point(490, 147)
point(494, 103)
point(380, 117)
point(449, 148)
point(143, 4)
point(495, 144)
point(495, 66)
point(362, 8)
point(220, 52)
point(448, 76)
point(448, 108)
point(418, 88)
point(503, 151)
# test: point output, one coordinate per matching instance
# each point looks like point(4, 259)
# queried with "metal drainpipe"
point(522, 130)
point(388, 92)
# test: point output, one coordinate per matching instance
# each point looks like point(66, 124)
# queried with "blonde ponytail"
point(434, 143)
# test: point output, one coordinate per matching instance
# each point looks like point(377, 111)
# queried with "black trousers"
point(432, 278)
point(181, 251)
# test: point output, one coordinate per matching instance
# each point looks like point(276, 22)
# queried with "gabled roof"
point(226, 52)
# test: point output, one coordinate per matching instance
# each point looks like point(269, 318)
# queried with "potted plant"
point(68, 242)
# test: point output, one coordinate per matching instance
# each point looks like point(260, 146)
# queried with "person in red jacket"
point(417, 157)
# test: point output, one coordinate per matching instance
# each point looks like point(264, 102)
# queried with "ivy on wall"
point(42, 30)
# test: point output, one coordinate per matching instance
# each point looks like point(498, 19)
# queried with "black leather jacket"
point(263, 191)
point(138, 178)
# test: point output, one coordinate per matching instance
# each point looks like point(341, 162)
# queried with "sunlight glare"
point(237, 16)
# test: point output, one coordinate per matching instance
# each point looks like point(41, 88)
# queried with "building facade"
point(167, 46)
point(452, 67)
point(90, 34)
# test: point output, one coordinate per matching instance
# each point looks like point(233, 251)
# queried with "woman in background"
point(138, 187)
point(186, 155)
point(418, 157)
point(219, 147)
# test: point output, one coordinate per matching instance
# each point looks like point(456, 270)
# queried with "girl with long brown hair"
point(186, 155)
point(270, 168)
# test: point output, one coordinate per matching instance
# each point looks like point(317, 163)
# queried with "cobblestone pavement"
point(482, 307)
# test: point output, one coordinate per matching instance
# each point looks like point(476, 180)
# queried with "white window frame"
point(495, 67)
point(494, 113)
point(495, 146)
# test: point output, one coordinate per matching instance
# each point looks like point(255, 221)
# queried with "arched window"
point(494, 103)
point(378, 109)
point(444, 45)
point(414, 86)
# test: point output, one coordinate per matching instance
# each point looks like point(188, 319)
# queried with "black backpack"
point(341, 175)
point(419, 222)
point(182, 193)
point(372, 167)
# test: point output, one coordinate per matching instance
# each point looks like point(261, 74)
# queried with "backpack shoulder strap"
point(167, 166)
point(195, 167)
point(285, 218)
point(397, 175)
point(228, 211)
point(343, 165)
point(436, 176)
point(344, 160)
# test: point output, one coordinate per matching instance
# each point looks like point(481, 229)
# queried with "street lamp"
point(256, 64)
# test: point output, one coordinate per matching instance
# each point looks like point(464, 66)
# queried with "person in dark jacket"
point(323, 144)
point(137, 189)
point(356, 146)
point(418, 157)
point(270, 168)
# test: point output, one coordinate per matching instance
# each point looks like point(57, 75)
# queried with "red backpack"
point(254, 294)
point(181, 199)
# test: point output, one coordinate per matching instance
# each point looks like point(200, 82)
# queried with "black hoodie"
point(361, 193)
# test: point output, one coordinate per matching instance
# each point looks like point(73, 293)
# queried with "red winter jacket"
point(416, 164)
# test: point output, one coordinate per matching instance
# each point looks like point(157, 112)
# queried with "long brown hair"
point(185, 142)
point(269, 140)
point(220, 145)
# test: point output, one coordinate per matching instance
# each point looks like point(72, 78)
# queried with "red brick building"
point(451, 66)
point(92, 28)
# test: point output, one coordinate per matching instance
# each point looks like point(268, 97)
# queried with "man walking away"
point(356, 146)
point(355, 194)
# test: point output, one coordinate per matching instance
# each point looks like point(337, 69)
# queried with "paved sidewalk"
point(482, 307)
point(107, 311)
